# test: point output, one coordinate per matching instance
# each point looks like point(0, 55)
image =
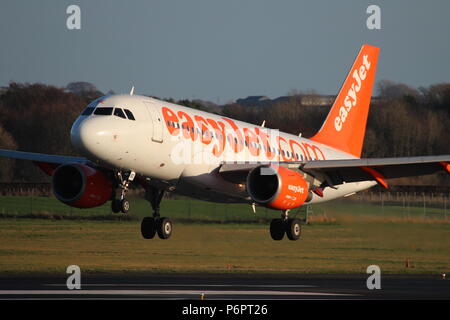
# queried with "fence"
point(405, 204)
point(364, 204)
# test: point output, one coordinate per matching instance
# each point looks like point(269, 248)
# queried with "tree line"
point(403, 121)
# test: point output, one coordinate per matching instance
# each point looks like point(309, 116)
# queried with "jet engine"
point(81, 186)
point(277, 187)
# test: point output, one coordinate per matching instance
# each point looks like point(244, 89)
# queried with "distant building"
point(303, 99)
point(317, 100)
point(253, 101)
point(306, 100)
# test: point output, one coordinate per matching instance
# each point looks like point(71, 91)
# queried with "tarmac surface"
point(222, 287)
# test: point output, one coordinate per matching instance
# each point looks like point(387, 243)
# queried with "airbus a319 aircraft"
point(166, 147)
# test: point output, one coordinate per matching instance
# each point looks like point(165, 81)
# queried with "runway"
point(222, 287)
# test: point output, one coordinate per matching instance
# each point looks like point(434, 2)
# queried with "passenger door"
point(157, 123)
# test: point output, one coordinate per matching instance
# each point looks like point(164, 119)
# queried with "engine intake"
point(277, 187)
point(81, 186)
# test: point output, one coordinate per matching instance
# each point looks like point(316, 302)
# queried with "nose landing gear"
point(122, 204)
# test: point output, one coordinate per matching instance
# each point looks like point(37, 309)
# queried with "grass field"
point(35, 245)
point(341, 238)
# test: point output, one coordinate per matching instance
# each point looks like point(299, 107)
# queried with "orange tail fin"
point(345, 125)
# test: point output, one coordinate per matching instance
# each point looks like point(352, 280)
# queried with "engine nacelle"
point(81, 186)
point(277, 187)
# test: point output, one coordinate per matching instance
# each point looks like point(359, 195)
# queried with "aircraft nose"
point(89, 137)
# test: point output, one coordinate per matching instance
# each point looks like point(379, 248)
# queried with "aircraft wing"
point(350, 170)
point(41, 157)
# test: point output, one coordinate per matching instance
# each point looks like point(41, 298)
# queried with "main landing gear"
point(156, 224)
point(122, 204)
point(290, 227)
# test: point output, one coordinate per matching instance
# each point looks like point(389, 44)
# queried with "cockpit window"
point(119, 113)
point(88, 111)
point(107, 111)
point(129, 114)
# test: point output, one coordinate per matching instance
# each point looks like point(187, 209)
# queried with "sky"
point(220, 50)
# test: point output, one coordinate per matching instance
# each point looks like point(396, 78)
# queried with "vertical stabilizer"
point(345, 125)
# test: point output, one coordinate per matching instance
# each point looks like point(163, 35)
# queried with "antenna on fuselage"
point(263, 124)
point(132, 91)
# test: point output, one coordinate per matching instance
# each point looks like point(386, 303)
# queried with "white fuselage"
point(182, 148)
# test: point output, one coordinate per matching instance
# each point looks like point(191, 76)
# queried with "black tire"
point(124, 205)
point(148, 228)
point(115, 206)
point(293, 229)
point(164, 228)
point(277, 229)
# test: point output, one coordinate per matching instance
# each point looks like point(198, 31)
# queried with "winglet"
point(345, 125)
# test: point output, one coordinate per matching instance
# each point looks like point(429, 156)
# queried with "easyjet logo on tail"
point(359, 75)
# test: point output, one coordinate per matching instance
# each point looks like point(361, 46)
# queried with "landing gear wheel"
point(277, 229)
point(124, 205)
point(115, 206)
point(148, 228)
point(293, 229)
point(164, 228)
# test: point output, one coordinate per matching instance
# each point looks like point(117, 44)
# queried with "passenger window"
point(88, 111)
point(119, 113)
point(129, 114)
point(103, 111)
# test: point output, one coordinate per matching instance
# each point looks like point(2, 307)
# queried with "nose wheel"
point(120, 205)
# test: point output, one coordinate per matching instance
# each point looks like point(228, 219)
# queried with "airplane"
point(165, 147)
